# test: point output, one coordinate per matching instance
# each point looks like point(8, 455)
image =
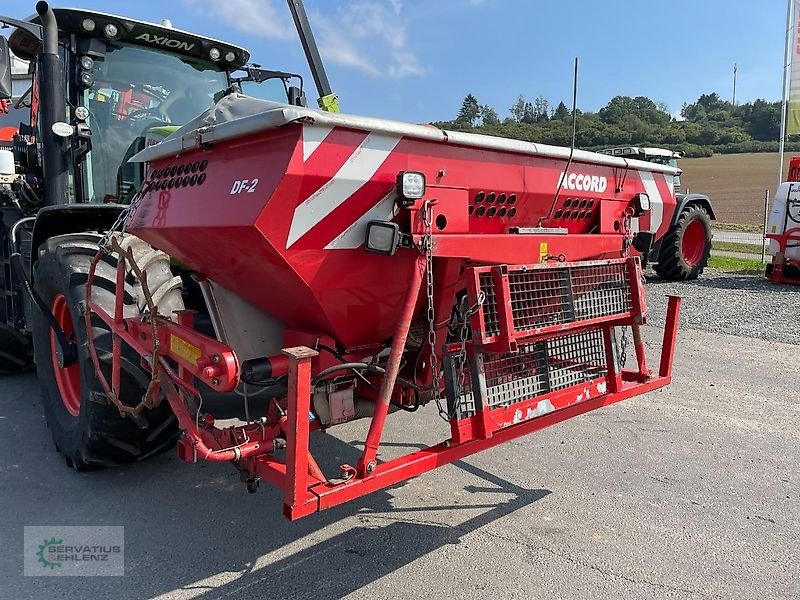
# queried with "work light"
point(383, 237)
point(641, 204)
point(411, 185)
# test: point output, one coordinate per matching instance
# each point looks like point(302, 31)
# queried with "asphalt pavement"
point(688, 492)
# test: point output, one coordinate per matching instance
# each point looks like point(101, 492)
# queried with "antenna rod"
point(574, 108)
point(572, 143)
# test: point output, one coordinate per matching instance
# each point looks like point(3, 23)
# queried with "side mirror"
point(296, 96)
point(5, 70)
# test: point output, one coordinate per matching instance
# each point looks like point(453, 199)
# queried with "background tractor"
point(682, 245)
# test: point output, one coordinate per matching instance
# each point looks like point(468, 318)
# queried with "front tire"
point(87, 430)
point(686, 247)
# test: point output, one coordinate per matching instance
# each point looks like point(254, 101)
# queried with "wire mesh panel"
point(542, 296)
point(489, 308)
point(501, 379)
point(600, 290)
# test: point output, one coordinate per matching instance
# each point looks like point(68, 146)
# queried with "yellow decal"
point(774, 229)
point(184, 349)
point(543, 253)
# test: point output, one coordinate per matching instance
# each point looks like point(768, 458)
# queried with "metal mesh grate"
point(490, 318)
point(536, 369)
point(556, 296)
point(601, 290)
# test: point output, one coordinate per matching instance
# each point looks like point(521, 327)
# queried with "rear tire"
point(686, 247)
point(86, 429)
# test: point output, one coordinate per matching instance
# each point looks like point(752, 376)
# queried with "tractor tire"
point(16, 351)
point(686, 247)
point(87, 430)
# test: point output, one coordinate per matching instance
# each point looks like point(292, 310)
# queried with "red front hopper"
point(502, 304)
point(274, 204)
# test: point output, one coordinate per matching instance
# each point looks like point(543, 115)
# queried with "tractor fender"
point(685, 200)
point(71, 218)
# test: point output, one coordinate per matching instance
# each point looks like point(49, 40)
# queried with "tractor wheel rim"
point(68, 379)
point(693, 244)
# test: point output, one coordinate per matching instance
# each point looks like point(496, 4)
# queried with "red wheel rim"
point(68, 378)
point(693, 244)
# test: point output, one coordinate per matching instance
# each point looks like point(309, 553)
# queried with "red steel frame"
point(780, 260)
point(177, 354)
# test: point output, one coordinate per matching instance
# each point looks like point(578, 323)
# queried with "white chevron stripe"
point(312, 138)
point(656, 202)
point(354, 236)
point(356, 172)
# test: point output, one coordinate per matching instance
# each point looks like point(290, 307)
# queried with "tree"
point(528, 115)
point(518, 110)
point(541, 110)
point(642, 107)
point(561, 113)
point(470, 111)
point(489, 116)
point(762, 120)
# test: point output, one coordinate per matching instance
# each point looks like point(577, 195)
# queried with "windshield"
point(140, 96)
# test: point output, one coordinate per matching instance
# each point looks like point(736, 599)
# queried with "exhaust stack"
point(53, 109)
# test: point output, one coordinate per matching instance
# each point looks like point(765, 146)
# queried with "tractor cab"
point(660, 156)
point(128, 84)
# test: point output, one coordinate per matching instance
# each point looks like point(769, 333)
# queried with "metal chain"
point(623, 356)
point(464, 334)
point(464, 331)
point(122, 219)
point(120, 223)
point(628, 240)
point(427, 248)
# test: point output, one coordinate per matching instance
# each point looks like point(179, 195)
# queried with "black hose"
point(341, 359)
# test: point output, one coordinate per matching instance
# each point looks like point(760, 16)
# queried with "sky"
point(415, 60)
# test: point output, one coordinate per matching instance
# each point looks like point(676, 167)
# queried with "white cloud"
point(368, 35)
point(260, 17)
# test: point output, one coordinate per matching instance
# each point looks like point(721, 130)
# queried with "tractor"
point(682, 243)
point(168, 238)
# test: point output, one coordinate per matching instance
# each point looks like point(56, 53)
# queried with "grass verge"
point(721, 225)
point(743, 266)
point(736, 247)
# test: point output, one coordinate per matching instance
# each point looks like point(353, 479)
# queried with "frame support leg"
point(670, 336)
point(295, 493)
point(367, 463)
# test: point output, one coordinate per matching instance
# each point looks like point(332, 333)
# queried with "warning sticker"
point(184, 349)
point(543, 253)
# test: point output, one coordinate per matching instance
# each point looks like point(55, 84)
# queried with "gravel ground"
point(741, 305)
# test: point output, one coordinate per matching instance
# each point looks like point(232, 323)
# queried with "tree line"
point(708, 125)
